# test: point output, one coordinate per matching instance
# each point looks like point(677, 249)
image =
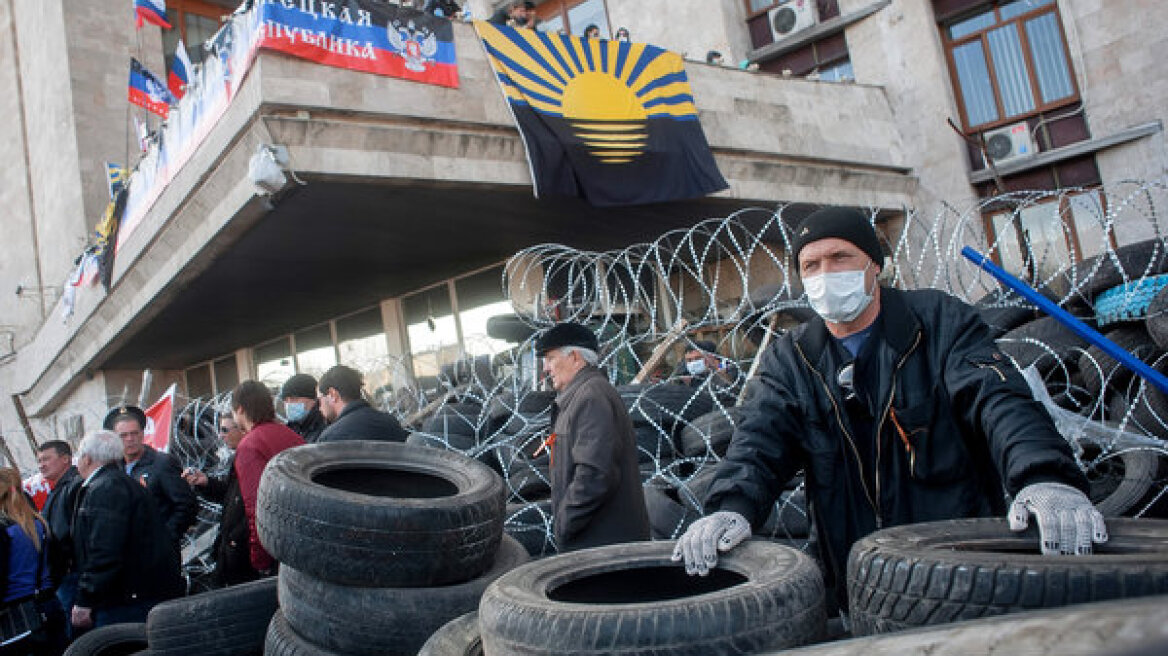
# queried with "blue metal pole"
point(1081, 329)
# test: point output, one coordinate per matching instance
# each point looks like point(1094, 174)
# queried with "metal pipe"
point(1081, 329)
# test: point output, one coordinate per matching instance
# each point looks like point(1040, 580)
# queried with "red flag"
point(159, 419)
point(38, 487)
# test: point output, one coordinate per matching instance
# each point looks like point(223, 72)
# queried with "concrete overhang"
point(407, 184)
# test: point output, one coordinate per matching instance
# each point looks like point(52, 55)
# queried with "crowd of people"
point(896, 405)
point(104, 546)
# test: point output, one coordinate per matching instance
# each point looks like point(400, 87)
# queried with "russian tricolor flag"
point(180, 72)
point(151, 11)
point(146, 91)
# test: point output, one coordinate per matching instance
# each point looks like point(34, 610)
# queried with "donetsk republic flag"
point(610, 121)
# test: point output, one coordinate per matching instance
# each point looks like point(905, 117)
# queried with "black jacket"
point(232, 555)
point(948, 420)
point(310, 426)
point(58, 514)
point(121, 548)
point(596, 487)
point(162, 475)
point(359, 421)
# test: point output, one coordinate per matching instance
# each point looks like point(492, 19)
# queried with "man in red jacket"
point(255, 412)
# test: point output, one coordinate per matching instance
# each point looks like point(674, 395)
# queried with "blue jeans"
point(66, 593)
point(135, 611)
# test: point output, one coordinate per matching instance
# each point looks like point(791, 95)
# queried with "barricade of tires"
point(379, 544)
point(632, 599)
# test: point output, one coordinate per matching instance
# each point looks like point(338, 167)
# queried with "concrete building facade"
point(414, 195)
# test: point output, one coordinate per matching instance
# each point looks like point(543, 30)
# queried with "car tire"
point(925, 574)
point(111, 640)
point(458, 637)
point(330, 510)
point(375, 621)
point(709, 433)
point(281, 640)
point(633, 599)
point(1045, 343)
point(1099, 370)
point(1106, 628)
point(221, 622)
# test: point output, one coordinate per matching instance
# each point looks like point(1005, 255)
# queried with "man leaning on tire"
point(596, 486)
point(899, 408)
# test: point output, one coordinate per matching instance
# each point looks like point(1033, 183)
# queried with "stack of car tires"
point(379, 544)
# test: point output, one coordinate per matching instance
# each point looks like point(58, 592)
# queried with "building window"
point(431, 330)
point(226, 372)
point(362, 345)
point(1039, 239)
point(1008, 62)
point(315, 353)
point(826, 58)
point(274, 363)
point(480, 297)
point(196, 22)
point(572, 16)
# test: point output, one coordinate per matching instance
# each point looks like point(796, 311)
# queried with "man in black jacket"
point(899, 408)
point(124, 561)
point(350, 416)
point(301, 407)
point(159, 473)
point(55, 460)
point(231, 548)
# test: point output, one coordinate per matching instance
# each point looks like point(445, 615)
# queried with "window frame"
point(197, 7)
point(560, 8)
point(1072, 240)
point(980, 36)
point(750, 13)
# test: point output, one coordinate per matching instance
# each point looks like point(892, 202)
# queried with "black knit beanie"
point(842, 223)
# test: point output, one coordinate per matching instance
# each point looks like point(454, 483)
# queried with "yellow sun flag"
point(613, 122)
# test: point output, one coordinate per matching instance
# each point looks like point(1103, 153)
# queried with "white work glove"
point(699, 546)
point(1067, 522)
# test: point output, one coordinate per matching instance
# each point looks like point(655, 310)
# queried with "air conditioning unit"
point(1009, 143)
point(791, 17)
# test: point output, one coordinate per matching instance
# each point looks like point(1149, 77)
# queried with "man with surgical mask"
point(701, 365)
point(899, 408)
point(301, 410)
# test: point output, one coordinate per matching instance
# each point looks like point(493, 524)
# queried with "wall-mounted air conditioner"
point(791, 17)
point(1009, 143)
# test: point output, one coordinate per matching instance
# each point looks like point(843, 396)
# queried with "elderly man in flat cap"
point(899, 408)
point(596, 486)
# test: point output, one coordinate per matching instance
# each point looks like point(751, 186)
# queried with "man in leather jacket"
point(898, 407)
point(123, 557)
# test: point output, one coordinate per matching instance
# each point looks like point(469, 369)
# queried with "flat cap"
point(566, 334)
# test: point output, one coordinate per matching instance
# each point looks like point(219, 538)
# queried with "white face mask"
point(695, 367)
point(838, 297)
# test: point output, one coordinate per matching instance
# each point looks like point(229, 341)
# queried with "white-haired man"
point(123, 555)
point(596, 487)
